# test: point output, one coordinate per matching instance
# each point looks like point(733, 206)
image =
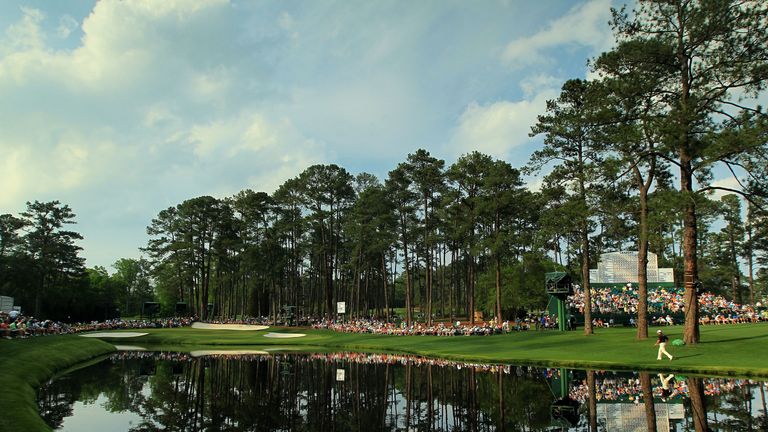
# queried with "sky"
point(122, 108)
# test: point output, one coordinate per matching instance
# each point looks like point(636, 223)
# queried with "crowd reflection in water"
point(375, 391)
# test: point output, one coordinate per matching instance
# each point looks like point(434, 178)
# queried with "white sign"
point(340, 374)
point(6, 304)
point(341, 307)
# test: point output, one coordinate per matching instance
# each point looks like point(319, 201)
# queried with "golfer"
point(662, 343)
point(666, 392)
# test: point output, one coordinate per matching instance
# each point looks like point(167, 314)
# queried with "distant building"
point(6, 304)
point(621, 268)
point(630, 417)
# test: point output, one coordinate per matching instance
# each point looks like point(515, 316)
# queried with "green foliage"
point(136, 287)
point(39, 259)
point(708, 60)
point(523, 286)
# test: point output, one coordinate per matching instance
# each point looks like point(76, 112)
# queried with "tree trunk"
point(642, 268)
point(736, 277)
point(698, 404)
point(650, 408)
point(442, 281)
point(39, 292)
point(750, 264)
point(452, 293)
point(585, 247)
point(585, 280)
point(326, 277)
point(591, 400)
point(498, 290)
point(690, 264)
point(384, 282)
point(428, 261)
point(358, 275)
point(690, 227)
point(367, 306)
point(408, 317)
point(471, 289)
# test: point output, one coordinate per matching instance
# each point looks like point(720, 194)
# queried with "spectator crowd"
point(14, 324)
point(665, 302)
point(614, 387)
point(458, 328)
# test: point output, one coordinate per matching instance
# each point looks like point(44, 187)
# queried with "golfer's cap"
point(658, 331)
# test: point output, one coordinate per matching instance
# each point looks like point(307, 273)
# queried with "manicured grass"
point(725, 350)
point(25, 364)
point(738, 350)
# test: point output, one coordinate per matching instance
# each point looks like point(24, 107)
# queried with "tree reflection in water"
point(650, 408)
point(304, 392)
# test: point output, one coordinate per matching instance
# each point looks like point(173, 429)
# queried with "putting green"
point(284, 335)
point(240, 327)
point(113, 334)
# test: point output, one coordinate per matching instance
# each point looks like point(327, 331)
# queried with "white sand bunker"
point(203, 353)
point(209, 326)
point(129, 348)
point(284, 335)
point(113, 334)
point(282, 348)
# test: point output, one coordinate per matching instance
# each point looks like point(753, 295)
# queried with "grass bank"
point(25, 364)
point(735, 350)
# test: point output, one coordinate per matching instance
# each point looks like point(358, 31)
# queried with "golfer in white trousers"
point(662, 343)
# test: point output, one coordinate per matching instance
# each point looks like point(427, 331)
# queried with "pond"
point(349, 391)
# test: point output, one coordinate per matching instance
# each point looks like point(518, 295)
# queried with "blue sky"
point(123, 108)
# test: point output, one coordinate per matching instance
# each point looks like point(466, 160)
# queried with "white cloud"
point(211, 86)
point(534, 85)
point(66, 25)
point(155, 105)
point(584, 25)
point(25, 34)
point(136, 105)
point(247, 133)
point(726, 182)
point(499, 127)
point(12, 177)
point(534, 184)
point(160, 115)
point(73, 160)
point(288, 23)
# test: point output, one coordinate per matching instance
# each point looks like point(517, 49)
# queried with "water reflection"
point(372, 392)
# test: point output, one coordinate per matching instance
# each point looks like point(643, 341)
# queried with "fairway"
point(725, 350)
point(736, 350)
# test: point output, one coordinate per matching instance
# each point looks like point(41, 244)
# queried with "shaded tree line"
point(433, 240)
point(41, 268)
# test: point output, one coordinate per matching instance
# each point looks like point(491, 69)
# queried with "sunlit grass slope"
point(726, 350)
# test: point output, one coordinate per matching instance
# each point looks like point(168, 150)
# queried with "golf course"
point(733, 350)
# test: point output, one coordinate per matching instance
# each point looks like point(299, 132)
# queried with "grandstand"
point(615, 297)
point(621, 268)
